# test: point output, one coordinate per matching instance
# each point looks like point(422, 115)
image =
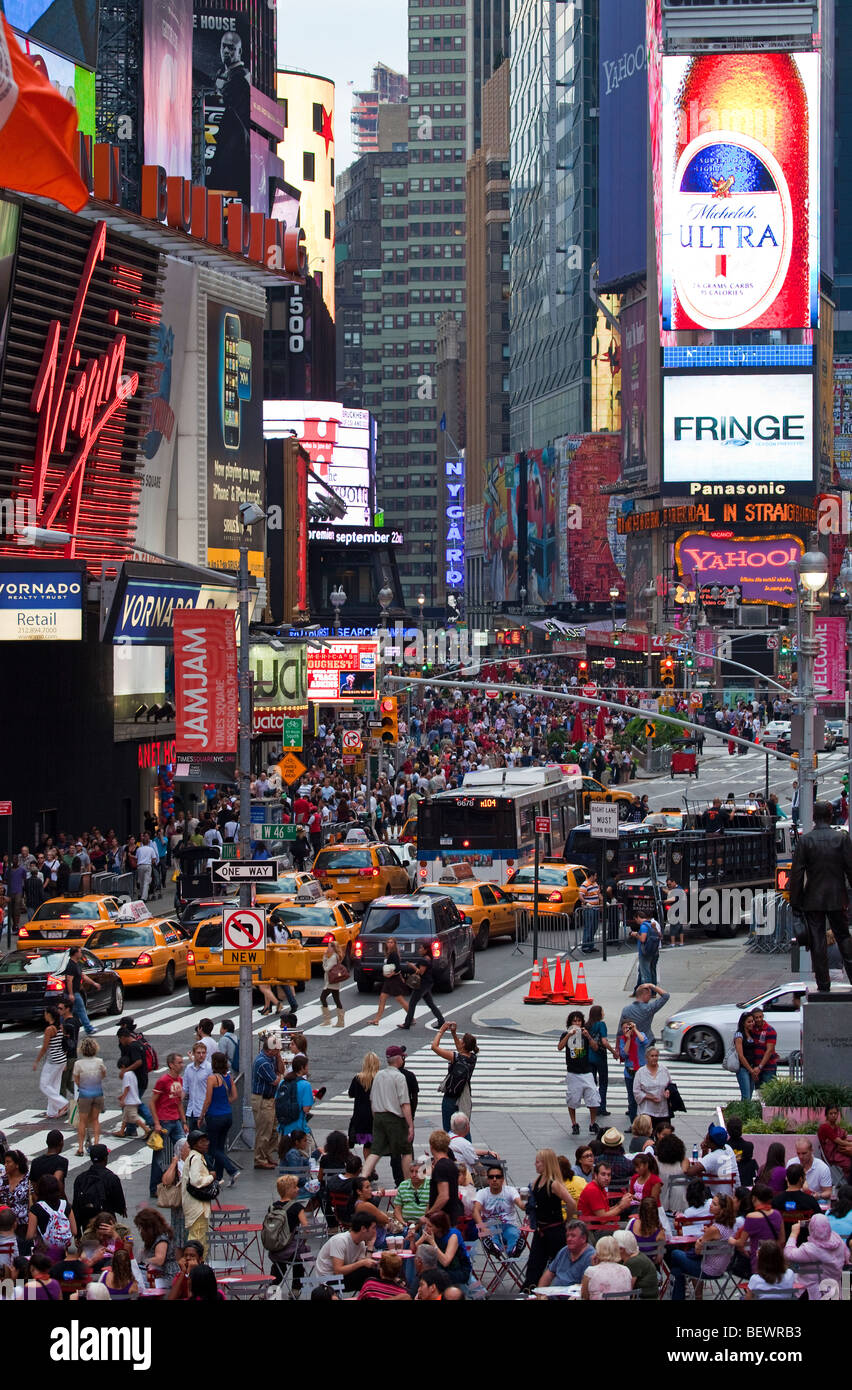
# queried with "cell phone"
point(231, 382)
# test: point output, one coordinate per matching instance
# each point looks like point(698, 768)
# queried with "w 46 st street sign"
point(230, 870)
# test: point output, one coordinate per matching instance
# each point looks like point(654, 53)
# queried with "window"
point(282, 102)
point(317, 117)
point(327, 225)
point(308, 167)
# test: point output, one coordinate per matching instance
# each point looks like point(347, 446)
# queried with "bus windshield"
point(457, 824)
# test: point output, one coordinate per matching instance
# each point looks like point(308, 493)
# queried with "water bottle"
point(695, 1153)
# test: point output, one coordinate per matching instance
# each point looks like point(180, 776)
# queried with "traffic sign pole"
point(246, 1135)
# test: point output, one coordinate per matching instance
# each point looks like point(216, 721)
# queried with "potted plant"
point(800, 1102)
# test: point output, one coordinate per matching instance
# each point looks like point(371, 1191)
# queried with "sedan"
point(31, 979)
point(490, 911)
point(776, 731)
point(69, 920)
point(558, 886)
point(705, 1035)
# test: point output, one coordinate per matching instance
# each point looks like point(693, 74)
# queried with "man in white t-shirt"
point(346, 1253)
point(720, 1161)
point(146, 857)
point(817, 1172)
point(496, 1213)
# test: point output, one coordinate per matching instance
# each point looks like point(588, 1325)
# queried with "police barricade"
point(114, 885)
point(771, 926)
point(571, 931)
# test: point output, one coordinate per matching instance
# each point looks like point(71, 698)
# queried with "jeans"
point(289, 996)
point(426, 998)
point(647, 969)
point(745, 1081)
point(768, 1074)
point(599, 1067)
point(217, 1132)
point(632, 1107)
point(681, 1264)
point(591, 916)
point(79, 1011)
point(173, 1130)
point(505, 1234)
point(449, 1108)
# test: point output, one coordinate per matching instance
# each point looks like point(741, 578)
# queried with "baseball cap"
point(394, 1051)
point(717, 1135)
point(99, 1153)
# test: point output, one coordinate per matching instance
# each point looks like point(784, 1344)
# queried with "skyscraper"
point(388, 86)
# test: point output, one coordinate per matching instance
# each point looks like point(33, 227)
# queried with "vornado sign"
point(736, 435)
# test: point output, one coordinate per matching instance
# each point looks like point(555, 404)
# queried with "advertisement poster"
point(164, 381)
point(623, 140)
point(760, 565)
point(342, 671)
point(589, 566)
point(542, 565)
point(41, 606)
point(339, 441)
point(606, 370)
point(221, 78)
point(741, 192)
point(76, 84)
point(234, 432)
point(738, 428)
point(68, 29)
point(639, 572)
point(830, 662)
point(265, 166)
point(634, 388)
point(500, 527)
point(167, 82)
point(843, 418)
point(206, 690)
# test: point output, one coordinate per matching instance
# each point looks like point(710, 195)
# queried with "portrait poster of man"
point(221, 76)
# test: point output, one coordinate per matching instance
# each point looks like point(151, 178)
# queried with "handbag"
point(732, 1059)
point(337, 974)
point(676, 1101)
point(204, 1194)
point(801, 931)
point(388, 971)
point(168, 1196)
point(154, 1141)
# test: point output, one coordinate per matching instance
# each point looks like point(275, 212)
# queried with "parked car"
point(406, 853)
point(705, 1034)
point(423, 919)
point(838, 728)
point(29, 979)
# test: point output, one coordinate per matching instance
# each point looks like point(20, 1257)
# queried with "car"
point(593, 790)
point(199, 909)
point(315, 922)
point(776, 733)
point(706, 1034)
point(408, 833)
point(30, 979)
point(70, 921)
point(839, 729)
point(286, 886)
point(406, 853)
point(359, 873)
point(490, 910)
point(430, 919)
point(558, 886)
point(207, 969)
point(145, 953)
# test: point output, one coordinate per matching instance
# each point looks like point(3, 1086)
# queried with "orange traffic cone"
point(545, 980)
point(567, 981)
point(581, 994)
point(535, 995)
point(558, 983)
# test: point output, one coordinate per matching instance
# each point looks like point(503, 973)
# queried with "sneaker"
point(575, 1129)
point(232, 1179)
point(603, 1114)
point(489, 1245)
point(593, 1129)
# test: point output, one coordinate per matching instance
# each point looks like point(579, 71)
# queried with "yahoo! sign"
point(454, 512)
point(761, 566)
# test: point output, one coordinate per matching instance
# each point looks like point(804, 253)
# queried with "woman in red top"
point(835, 1143)
point(646, 1180)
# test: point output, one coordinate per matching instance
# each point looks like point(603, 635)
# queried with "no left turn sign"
point(243, 929)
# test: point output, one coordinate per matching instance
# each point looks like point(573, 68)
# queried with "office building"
point(388, 87)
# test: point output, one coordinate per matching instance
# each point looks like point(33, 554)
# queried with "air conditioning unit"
point(753, 615)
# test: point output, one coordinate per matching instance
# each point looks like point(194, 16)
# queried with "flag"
point(38, 131)
point(443, 422)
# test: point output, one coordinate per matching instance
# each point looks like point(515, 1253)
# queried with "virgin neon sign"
point(454, 511)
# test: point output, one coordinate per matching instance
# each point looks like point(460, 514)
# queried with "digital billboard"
point(221, 78)
point(167, 81)
point(623, 140)
point(234, 431)
point(500, 527)
point(740, 191)
point(340, 443)
point(75, 83)
point(747, 433)
point(70, 29)
point(591, 558)
point(342, 671)
point(760, 565)
point(542, 566)
point(634, 387)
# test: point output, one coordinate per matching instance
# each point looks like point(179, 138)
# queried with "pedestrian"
point(129, 1101)
point(648, 939)
point(221, 1094)
point(133, 1057)
point(33, 889)
point(651, 1086)
point(393, 985)
point(300, 849)
point(204, 1035)
point(421, 982)
point(147, 858)
point(97, 1190)
point(51, 1226)
point(361, 1123)
point(15, 1189)
point(264, 1083)
point(52, 1053)
point(548, 1204)
point(169, 1116)
point(197, 1183)
point(630, 1049)
point(745, 1050)
point(195, 1084)
point(820, 876)
point(16, 883)
point(591, 901)
point(75, 982)
point(598, 1062)
point(393, 1122)
point(229, 1045)
point(52, 1161)
point(462, 1062)
point(641, 1011)
point(764, 1038)
point(70, 1032)
point(334, 973)
point(89, 1073)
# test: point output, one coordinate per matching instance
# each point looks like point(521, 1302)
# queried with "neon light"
point(454, 511)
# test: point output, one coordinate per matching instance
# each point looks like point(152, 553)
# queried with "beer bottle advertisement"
point(741, 191)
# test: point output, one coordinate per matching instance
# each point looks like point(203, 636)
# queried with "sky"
point(345, 45)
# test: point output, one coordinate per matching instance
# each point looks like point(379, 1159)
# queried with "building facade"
point(387, 87)
point(307, 103)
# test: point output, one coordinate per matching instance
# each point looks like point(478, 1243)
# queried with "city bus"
point(489, 822)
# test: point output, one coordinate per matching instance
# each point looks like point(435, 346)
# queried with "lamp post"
point(385, 597)
point(337, 598)
point(813, 575)
point(846, 580)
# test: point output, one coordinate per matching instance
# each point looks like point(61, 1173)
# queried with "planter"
point(794, 1116)
point(762, 1141)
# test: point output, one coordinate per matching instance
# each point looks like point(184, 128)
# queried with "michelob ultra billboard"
point(740, 181)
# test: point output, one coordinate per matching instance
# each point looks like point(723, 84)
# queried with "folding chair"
point(313, 1281)
point(632, 1297)
point(724, 1282)
point(497, 1265)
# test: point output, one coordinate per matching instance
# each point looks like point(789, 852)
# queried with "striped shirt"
point(413, 1201)
point(591, 895)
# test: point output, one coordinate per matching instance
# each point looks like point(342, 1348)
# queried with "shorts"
point(390, 1136)
point(581, 1090)
point(130, 1115)
point(89, 1105)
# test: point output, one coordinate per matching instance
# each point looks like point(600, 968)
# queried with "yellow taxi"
point(284, 962)
point(316, 922)
point(359, 872)
point(593, 790)
point(286, 885)
point(408, 833)
point(558, 886)
point(144, 952)
point(70, 921)
point(487, 906)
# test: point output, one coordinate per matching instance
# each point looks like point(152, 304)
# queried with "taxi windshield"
point(457, 892)
point(303, 916)
point(78, 912)
point(343, 859)
point(545, 875)
point(122, 936)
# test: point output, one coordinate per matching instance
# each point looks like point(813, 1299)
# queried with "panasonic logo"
point(732, 429)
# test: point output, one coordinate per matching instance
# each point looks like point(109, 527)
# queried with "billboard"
point(75, 83)
point(500, 527)
point(738, 430)
point(265, 166)
point(542, 556)
point(279, 678)
point(341, 445)
point(234, 431)
point(634, 388)
point(760, 565)
point(221, 79)
point(42, 604)
point(454, 537)
point(68, 29)
point(167, 84)
point(342, 671)
point(592, 555)
point(206, 691)
point(843, 418)
point(740, 191)
point(623, 140)
point(147, 596)
point(830, 661)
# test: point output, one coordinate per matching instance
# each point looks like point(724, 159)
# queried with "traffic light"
point(667, 672)
point(616, 639)
point(583, 668)
point(389, 719)
point(785, 645)
point(689, 662)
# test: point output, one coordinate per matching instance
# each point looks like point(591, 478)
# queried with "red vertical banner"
point(302, 531)
point(206, 685)
point(830, 662)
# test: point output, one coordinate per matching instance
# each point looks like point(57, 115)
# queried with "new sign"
point(41, 605)
point(722, 430)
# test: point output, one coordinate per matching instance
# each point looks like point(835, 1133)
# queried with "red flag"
point(38, 131)
point(206, 687)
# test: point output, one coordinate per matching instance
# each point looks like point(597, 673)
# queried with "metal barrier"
point(771, 934)
point(114, 885)
point(571, 931)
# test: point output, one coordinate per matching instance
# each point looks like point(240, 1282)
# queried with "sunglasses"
point(495, 1177)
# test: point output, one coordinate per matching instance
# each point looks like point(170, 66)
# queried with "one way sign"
point(230, 869)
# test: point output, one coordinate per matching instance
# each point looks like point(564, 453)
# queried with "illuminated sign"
point(740, 161)
point(708, 513)
point(342, 671)
point(155, 754)
point(340, 444)
point(750, 431)
point(143, 612)
point(41, 605)
point(454, 512)
point(761, 567)
point(279, 678)
point(365, 537)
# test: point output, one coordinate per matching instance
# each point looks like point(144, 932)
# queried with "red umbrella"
point(578, 733)
point(600, 724)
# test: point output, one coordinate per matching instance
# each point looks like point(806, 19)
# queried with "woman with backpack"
point(221, 1095)
point(462, 1061)
point(52, 1225)
point(52, 1052)
point(282, 1230)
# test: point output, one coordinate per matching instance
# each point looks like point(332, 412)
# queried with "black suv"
point(424, 919)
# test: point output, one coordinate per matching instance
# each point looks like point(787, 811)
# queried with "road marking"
point(12, 1056)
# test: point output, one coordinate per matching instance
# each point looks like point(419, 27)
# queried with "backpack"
point(458, 1076)
point(287, 1107)
point(276, 1233)
point(89, 1196)
point(57, 1233)
point(651, 946)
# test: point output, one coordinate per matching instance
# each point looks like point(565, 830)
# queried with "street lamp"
point(522, 595)
point(337, 598)
point(385, 597)
point(813, 575)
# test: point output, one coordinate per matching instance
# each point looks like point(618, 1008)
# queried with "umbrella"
point(578, 733)
point(600, 724)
